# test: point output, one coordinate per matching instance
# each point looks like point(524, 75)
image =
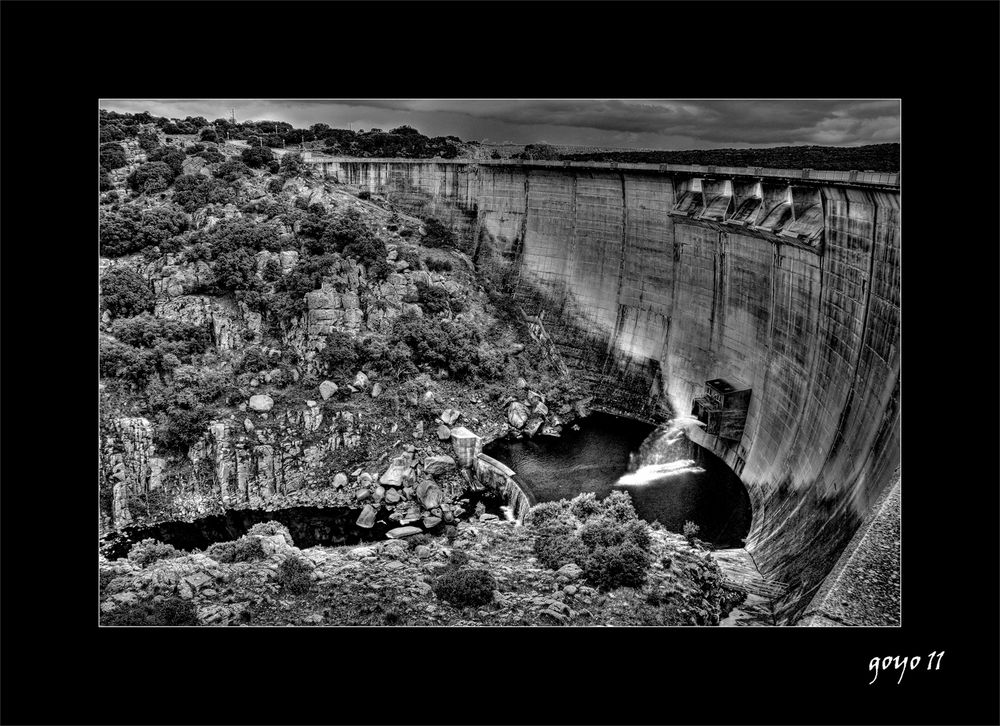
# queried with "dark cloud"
point(628, 123)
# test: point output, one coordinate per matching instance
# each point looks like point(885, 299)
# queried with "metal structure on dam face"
point(655, 279)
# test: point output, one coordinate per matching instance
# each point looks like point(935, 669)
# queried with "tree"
point(112, 156)
point(255, 157)
point(124, 293)
point(209, 134)
point(232, 170)
point(291, 165)
point(339, 355)
point(151, 177)
point(234, 270)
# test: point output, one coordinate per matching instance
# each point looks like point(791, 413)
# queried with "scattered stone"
point(572, 571)
point(423, 552)
point(431, 522)
point(399, 472)
point(376, 390)
point(360, 381)
point(521, 383)
point(367, 517)
point(450, 416)
point(360, 552)
point(540, 409)
point(517, 414)
point(570, 590)
point(365, 479)
point(400, 532)
point(443, 432)
point(435, 465)
point(533, 424)
point(339, 480)
point(418, 432)
point(261, 402)
point(392, 496)
point(363, 494)
point(379, 493)
point(248, 425)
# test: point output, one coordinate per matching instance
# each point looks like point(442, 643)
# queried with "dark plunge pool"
point(671, 479)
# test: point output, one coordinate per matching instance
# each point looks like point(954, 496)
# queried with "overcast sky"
point(654, 124)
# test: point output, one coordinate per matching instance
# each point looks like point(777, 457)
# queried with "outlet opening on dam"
point(671, 479)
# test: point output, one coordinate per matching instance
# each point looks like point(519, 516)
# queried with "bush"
point(192, 191)
point(166, 336)
point(208, 134)
point(178, 429)
point(256, 156)
point(248, 549)
point(112, 156)
point(232, 170)
point(294, 575)
point(275, 185)
point(148, 140)
point(235, 270)
point(339, 356)
point(194, 149)
point(211, 156)
point(151, 178)
point(433, 299)
point(151, 550)
point(174, 158)
point(291, 165)
point(623, 565)
point(604, 532)
point(173, 610)
point(557, 545)
point(364, 194)
point(436, 234)
point(618, 506)
point(230, 235)
point(125, 293)
point(545, 513)
point(271, 528)
point(465, 587)
point(437, 265)
point(691, 531)
point(222, 551)
point(584, 506)
point(126, 363)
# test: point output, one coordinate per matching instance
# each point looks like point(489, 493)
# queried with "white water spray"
point(665, 453)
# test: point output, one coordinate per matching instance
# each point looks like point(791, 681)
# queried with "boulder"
point(435, 465)
point(431, 522)
point(467, 446)
point(540, 409)
point(418, 432)
point(392, 496)
point(363, 494)
point(261, 403)
point(532, 425)
point(360, 381)
point(450, 416)
point(361, 552)
point(378, 494)
point(517, 414)
point(431, 496)
point(400, 532)
point(443, 432)
point(521, 383)
point(399, 472)
point(248, 425)
point(571, 572)
point(327, 389)
point(367, 517)
point(340, 480)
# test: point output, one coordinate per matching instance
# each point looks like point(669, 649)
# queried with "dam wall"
point(653, 279)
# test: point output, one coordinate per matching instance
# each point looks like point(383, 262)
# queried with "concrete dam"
point(651, 281)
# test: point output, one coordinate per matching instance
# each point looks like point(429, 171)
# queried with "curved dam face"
point(651, 281)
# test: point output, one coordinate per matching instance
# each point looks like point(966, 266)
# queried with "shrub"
point(151, 178)
point(271, 528)
point(235, 270)
point(211, 156)
point(208, 134)
point(584, 506)
point(437, 234)
point(254, 360)
point(194, 149)
point(248, 549)
point(556, 546)
point(340, 354)
point(105, 184)
point(151, 550)
point(437, 265)
point(458, 558)
point(623, 565)
point(148, 140)
point(291, 165)
point(433, 299)
point(294, 575)
point(465, 587)
point(275, 185)
point(174, 158)
point(364, 194)
point(125, 293)
point(112, 156)
point(232, 170)
point(242, 233)
point(119, 232)
point(547, 512)
point(414, 541)
point(256, 156)
point(222, 551)
point(178, 429)
point(126, 363)
point(604, 532)
point(192, 191)
point(618, 506)
point(691, 531)
point(172, 610)
point(167, 336)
